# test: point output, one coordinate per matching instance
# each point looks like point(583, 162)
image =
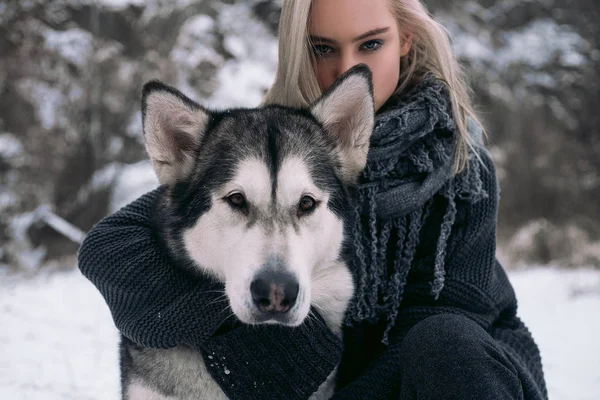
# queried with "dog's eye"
point(306, 205)
point(237, 201)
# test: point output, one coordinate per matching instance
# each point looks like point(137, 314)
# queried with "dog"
point(271, 213)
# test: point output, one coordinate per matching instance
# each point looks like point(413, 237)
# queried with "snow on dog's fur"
point(263, 200)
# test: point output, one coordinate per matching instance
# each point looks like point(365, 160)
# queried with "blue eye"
point(371, 45)
point(321, 49)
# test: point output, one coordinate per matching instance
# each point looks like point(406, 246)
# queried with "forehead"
point(347, 19)
point(292, 180)
point(270, 134)
point(259, 143)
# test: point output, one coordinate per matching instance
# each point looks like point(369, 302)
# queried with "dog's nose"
point(274, 292)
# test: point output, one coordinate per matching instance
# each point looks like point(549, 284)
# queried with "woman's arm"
point(152, 303)
point(157, 305)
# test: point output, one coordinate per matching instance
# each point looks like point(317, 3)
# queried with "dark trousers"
point(448, 357)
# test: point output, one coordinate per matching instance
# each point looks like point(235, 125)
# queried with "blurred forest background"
point(70, 127)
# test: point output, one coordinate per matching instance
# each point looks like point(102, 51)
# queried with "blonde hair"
point(296, 84)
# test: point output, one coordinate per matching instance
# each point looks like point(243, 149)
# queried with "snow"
point(7, 199)
point(49, 101)
point(59, 224)
point(59, 341)
point(74, 44)
point(120, 4)
point(29, 258)
point(102, 179)
point(243, 80)
point(133, 181)
point(114, 5)
point(533, 47)
point(10, 145)
point(559, 307)
point(529, 45)
point(134, 128)
point(195, 43)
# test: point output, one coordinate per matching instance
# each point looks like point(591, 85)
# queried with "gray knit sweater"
point(425, 244)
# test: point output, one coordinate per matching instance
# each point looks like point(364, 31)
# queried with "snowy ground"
point(57, 339)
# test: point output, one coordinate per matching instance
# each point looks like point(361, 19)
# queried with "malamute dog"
point(268, 196)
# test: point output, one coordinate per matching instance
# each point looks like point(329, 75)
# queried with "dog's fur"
point(261, 195)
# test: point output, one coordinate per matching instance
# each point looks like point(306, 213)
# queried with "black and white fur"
point(261, 199)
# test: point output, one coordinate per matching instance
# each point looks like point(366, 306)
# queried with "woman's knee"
point(441, 334)
point(448, 353)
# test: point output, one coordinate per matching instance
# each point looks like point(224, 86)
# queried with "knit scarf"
point(410, 159)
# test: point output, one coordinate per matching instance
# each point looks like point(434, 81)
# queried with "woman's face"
point(349, 32)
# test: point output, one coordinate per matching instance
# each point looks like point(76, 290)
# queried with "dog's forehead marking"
point(294, 180)
point(253, 179)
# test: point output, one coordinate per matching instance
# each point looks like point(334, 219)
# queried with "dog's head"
point(261, 198)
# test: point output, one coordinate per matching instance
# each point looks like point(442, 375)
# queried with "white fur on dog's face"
point(224, 244)
point(235, 245)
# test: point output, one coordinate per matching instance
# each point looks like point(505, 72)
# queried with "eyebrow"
point(365, 35)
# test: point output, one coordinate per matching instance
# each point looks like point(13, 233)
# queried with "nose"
point(345, 62)
point(274, 292)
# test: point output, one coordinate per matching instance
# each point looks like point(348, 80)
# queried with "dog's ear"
point(347, 112)
point(173, 127)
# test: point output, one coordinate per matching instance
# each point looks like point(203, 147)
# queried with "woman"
point(434, 315)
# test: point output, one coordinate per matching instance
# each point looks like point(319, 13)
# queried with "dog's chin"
point(274, 319)
point(291, 319)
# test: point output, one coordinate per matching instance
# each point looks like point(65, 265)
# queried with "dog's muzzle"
point(274, 293)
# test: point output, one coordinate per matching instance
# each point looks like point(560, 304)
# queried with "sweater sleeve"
point(159, 306)
point(152, 303)
point(475, 286)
